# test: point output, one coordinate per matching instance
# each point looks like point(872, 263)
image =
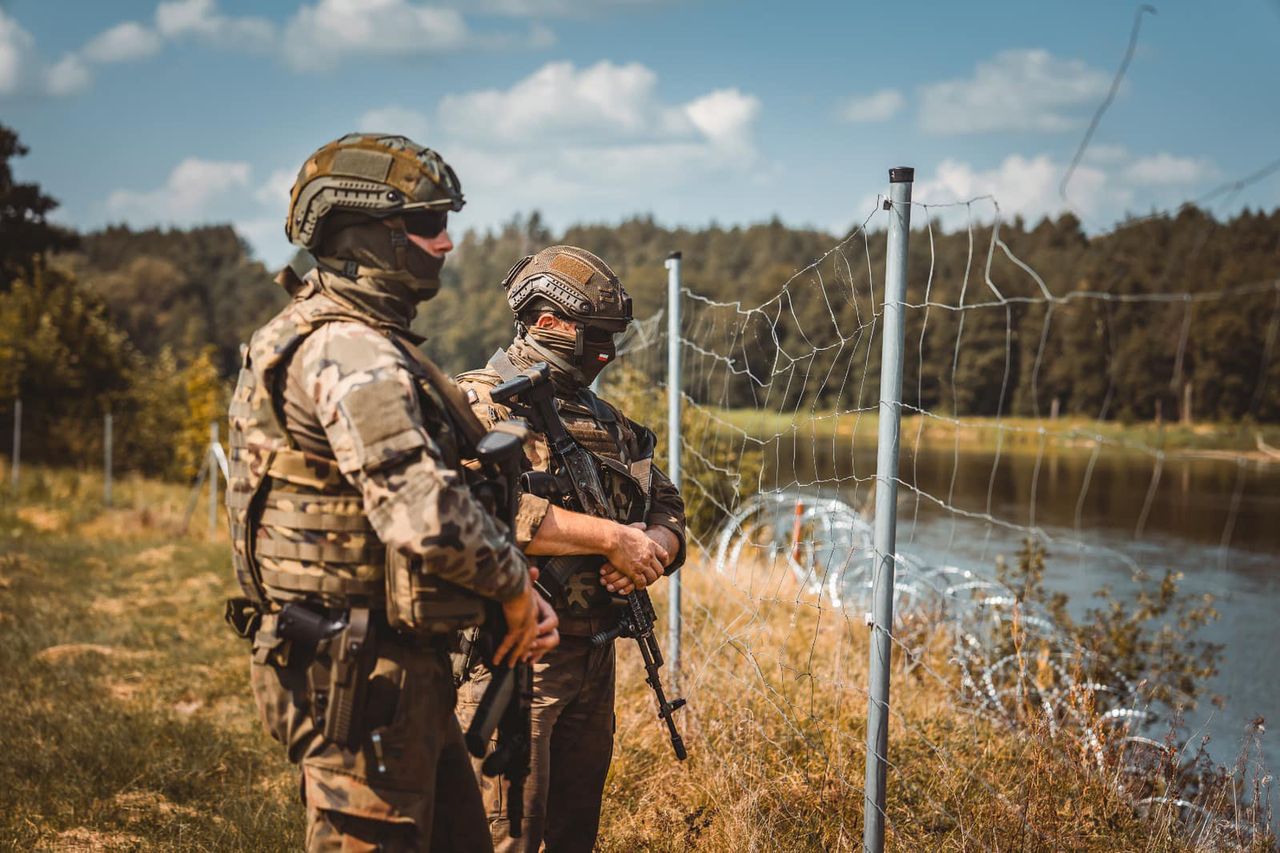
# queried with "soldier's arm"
point(546, 530)
point(666, 513)
point(532, 509)
point(368, 404)
point(666, 519)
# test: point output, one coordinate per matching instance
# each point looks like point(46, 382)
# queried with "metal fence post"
point(17, 445)
point(885, 544)
point(212, 459)
point(673, 444)
point(106, 459)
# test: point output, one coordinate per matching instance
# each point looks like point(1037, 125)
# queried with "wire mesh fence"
point(1046, 432)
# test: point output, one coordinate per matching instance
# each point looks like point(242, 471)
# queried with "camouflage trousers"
point(573, 724)
point(425, 799)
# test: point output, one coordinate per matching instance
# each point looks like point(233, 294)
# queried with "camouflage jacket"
point(625, 453)
point(342, 449)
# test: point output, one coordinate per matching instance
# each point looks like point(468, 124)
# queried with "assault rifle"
point(531, 395)
point(507, 704)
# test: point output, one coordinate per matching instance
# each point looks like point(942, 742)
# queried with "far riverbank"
point(1233, 441)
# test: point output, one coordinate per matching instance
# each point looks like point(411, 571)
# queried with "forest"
point(1172, 316)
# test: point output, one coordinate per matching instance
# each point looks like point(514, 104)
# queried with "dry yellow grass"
point(776, 725)
point(126, 720)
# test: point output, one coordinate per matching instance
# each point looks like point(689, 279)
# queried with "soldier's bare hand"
point(615, 581)
point(521, 613)
point(612, 578)
point(548, 635)
point(635, 556)
point(667, 540)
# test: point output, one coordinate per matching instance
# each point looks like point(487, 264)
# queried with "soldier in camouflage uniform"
point(349, 513)
point(569, 305)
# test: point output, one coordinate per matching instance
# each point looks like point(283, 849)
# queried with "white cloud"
point(187, 194)
point(201, 19)
point(603, 104)
point(319, 34)
point(67, 76)
point(550, 8)
point(726, 118)
point(122, 43)
point(274, 191)
point(24, 72)
point(1016, 90)
point(1026, 186)
point(396, 119)
point(1103, 154)
point(1166, 169)
point(604, 101)
point(568, 140)
point(17, 48)
point(1105, 188)
point(878, 106)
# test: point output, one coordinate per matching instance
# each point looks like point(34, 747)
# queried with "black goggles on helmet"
point(590, 333)
point(425, 223)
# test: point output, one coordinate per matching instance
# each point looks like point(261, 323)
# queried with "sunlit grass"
point(126, 720)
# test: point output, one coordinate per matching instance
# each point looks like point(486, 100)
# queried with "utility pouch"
point(243, 616)
point(349, 652)
point(422, 604)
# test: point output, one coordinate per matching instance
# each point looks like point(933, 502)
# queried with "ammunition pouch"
point(421, 604)
point(243, 616)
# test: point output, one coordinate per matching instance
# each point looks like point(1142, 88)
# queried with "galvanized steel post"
point(673, 445)
point(213, 479)
point(106, 458)
point(885, 544)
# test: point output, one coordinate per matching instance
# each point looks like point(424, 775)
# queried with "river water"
point(1215, 521)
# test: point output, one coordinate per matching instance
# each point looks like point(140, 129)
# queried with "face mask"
point(387, 259)
point(597, 351)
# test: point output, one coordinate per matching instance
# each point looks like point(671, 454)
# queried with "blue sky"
point(189, 111)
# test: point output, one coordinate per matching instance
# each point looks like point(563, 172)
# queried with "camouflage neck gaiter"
point(524, 352)
point(377, 271)
point(558, 349)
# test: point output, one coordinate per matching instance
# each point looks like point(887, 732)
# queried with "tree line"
point(146, 324)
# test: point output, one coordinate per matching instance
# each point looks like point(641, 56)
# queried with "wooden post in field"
point(17, 445)
point(106, 459)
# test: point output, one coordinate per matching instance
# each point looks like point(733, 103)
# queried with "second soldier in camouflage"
point(568, 306)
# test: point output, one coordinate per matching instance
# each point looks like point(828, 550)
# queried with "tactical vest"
point(626, 476)
point(298, 527)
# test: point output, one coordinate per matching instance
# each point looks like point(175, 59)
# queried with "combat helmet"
point(574, 282)
point(374, 174)
point(575, 285)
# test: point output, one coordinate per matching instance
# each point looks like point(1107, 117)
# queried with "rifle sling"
point(458, 408)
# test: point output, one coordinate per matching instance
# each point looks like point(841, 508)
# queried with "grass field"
point(126, 721)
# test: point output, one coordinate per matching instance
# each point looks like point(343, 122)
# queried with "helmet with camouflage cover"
point(572, 282)
point(373, 174)
point(575, 285)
